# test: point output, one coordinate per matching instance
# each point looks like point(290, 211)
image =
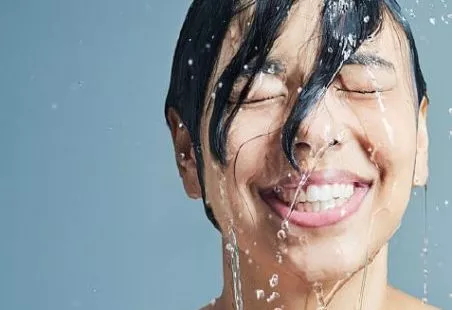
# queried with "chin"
point(313, 264)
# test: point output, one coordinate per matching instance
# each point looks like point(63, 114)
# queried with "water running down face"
point(357, 150)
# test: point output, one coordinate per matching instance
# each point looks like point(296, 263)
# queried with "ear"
point(421, 168)
point(185, 155)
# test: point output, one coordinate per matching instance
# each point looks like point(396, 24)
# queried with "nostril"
point(334, 142)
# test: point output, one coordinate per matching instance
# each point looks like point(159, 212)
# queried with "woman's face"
point(358, 188)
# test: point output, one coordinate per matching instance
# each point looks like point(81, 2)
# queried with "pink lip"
point(327, 217)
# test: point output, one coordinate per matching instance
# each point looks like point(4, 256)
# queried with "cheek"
point(254, 145)
point(252, 138)
point(390, 131)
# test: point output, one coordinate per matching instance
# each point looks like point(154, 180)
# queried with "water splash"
point(424, 253)
point(318, 291)
point(232, 248)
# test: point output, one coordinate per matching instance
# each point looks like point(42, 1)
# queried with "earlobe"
point(421, 167)
point(189, 174)
point(185, 155)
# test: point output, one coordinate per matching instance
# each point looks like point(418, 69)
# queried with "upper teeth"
point(318, 193)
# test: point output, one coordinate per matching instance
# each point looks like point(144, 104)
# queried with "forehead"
point(298, 44)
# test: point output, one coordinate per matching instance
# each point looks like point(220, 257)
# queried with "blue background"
point(92, 212)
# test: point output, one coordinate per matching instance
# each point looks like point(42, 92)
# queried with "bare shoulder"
point(399, 300)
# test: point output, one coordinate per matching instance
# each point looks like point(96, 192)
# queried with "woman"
point(302, 126)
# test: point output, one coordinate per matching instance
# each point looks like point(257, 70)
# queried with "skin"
point(378, 141)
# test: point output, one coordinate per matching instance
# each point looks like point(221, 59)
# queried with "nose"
point(319, 131)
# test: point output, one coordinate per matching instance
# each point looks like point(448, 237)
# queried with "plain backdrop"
point(92, 212)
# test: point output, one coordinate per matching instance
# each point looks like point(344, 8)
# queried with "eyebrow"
point(366, 59)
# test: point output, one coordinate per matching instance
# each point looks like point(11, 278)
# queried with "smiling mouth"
point(326, 198)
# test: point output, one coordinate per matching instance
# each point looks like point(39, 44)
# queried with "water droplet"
point(190, 62)
point(432, 20)
point(250, 261)
point(229, 247)
point(220, 85)
point(260, 294)
point(446, 202)
point(213, 302)
point(450, 295)
point(54, 106)
point(208, 45)
point(247, 252)
point(274, 280)
point(299, 89)
point(279, 258)
point(273, 296)
point(366, 19)
point(450, 111)
point(285, 225)
point(281, 234)
point(330, 50)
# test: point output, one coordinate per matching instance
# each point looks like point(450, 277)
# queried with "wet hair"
point(344, 26)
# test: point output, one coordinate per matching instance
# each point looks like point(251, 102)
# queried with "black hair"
point(344, 26)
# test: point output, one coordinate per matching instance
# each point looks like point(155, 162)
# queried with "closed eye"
point(359, 91)
point(263, 100)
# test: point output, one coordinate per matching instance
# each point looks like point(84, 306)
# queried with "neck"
point(352, 293)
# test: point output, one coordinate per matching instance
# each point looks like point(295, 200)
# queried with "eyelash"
point(258, 100)
point(362, 92)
